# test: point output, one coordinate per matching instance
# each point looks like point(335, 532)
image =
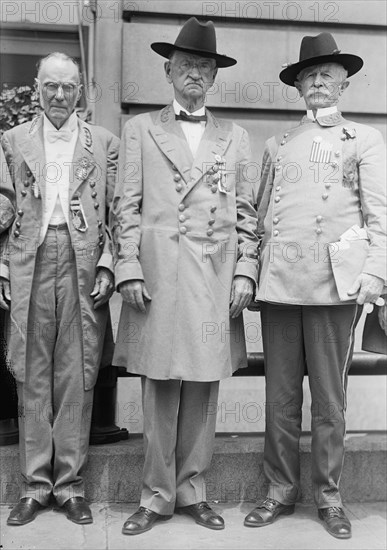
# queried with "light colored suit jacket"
point(319, 179)
point(92, 181)
point(186, 234)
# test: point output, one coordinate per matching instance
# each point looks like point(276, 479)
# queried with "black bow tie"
point(190, 118)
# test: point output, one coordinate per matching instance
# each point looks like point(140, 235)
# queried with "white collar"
point(321, 112)
point(70, 124)
point(177, 108)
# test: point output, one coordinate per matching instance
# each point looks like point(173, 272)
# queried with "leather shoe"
point(77, 510)
point(24, 511)
point(204, 515)
point(336, 522)
point(142, 521)
point(265, 513)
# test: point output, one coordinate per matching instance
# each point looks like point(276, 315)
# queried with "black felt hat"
point(195, 38)
point(316, 50)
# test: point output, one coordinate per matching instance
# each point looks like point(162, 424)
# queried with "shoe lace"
point(146, 511)
point(269, 504)
point(203, 506)
point(334, 512)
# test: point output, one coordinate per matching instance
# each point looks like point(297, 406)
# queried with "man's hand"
point(103, 287)
point(369, 287)
point(135, 294)
point(241, 294)
point(5, 293)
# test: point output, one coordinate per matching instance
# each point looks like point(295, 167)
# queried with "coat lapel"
point(83, 159)
point(214, 142)
point(31, 146)
point(171, 140)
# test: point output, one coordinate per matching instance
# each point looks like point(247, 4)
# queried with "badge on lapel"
point(321, 150)
point(81, 170)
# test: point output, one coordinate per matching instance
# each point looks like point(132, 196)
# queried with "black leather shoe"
point(265, 513)
point(336, 522)
point(24, 511)
point(142, 521)
point(204, 515)
point(77, 510)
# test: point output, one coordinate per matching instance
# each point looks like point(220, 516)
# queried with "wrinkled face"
point(59, 89)
point(322, 85)
point(191, 76)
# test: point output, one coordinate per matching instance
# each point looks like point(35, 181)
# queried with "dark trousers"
point(321, 337)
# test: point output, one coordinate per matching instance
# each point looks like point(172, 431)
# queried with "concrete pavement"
point(303, 530)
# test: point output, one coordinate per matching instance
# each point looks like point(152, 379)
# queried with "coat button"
point(277, 199)
point(181, 207)
point(179, 187)
point(278, 188)
point(213, 209)
point(99, 223)
point(173, 167)
point(283, 142)
point(20, 213)
point(18, 224)
point(211, 221)
point(92, 183)
point(276, 233)
point(214, 188)
point(318, 230)
point(328, 185)
point(183, 230)
point(278, 168)
point(286, 135)
point(337, 153)
point(182, 218)
point(16, 233)
point(177, 177)
point(275, 221)
point(319, 219)
point(23, 192)
point(215, 178)
point(96, 205)
point(279, 158)
point(325, 196)
point(210, 232)
point(94, 194)
point(28, 173)
point(26, 183)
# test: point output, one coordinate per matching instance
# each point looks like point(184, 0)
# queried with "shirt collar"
point(70, 124)
point(321, 112)
point(177, 108)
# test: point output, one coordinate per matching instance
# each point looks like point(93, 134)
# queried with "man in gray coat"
point(322, 222)
point(56, 277)
point(184, 230)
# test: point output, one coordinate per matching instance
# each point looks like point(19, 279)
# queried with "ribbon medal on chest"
point(78, 217)
point(321, 150)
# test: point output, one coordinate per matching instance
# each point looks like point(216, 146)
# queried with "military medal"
point(35, 190)
point(78, 215)
point(321, 150)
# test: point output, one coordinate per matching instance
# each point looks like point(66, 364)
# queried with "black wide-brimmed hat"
point(316, 50)
point(195, 38)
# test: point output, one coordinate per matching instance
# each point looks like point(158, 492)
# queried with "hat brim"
point(165, 49)
point(352, 63)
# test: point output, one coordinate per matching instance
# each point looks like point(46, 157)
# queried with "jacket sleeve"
point(106, 259)
point(125, 215)
point(7, 203)
point(247, 264)
point(372, 187)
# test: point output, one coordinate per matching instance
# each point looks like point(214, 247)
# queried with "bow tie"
point(54, 135)
point(190, 118)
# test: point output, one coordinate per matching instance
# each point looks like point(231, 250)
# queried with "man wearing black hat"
point(184, 230)
point(321, 180)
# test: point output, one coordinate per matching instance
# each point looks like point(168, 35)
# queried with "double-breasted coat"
point(318, 180)
point(185, 226)
point(92, 178)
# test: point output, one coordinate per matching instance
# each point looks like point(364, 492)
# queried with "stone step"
point(236, 474)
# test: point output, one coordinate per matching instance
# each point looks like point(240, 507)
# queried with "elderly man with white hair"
point(322, 224)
